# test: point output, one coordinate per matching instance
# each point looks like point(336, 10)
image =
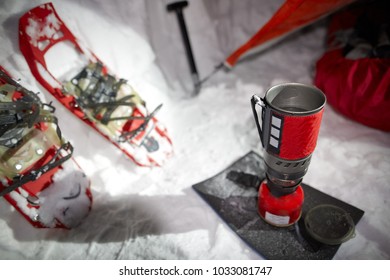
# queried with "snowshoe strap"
point(57, 160)
point(22, 113)
point(106, 87)
point(128, 135)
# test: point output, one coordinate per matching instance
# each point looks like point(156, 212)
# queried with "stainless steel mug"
point(290, 121)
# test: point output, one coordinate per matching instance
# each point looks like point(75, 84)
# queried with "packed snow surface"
point(153, 213)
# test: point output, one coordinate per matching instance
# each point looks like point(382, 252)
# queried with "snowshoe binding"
point(37, 173)
point(108, 104)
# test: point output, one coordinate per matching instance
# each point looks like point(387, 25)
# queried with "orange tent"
point(291, 16)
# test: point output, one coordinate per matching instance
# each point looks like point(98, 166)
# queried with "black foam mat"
point(236, 204)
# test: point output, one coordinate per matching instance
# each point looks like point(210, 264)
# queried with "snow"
point(153, 213)
point(66, 200)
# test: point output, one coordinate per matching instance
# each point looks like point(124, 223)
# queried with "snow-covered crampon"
point(38, 175)
point(89, 90)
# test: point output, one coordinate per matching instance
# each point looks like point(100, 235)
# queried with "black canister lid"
point(329, 224)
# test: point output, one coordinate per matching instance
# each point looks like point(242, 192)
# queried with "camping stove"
point(291, 116)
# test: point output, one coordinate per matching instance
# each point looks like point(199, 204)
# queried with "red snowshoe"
point(88, 90)
point(37, 173)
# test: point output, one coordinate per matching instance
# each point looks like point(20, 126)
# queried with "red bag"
point(355, 71)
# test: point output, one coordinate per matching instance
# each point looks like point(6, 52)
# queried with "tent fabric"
point(357, 88)
point(292, 15)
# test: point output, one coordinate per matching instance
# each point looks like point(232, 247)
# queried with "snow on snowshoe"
point(38, 175)
point(106, 103)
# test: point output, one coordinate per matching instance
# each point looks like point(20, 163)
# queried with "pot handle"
point(259, 101)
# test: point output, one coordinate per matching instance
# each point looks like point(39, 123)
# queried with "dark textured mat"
point(236, 204)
